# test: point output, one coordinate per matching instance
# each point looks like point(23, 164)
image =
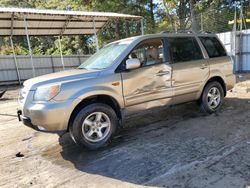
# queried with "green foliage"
point(159, 15)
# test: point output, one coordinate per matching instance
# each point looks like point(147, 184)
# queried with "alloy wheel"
point(96, 127)
point(213, 98)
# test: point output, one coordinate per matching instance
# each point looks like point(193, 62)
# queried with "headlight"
point(46, 93)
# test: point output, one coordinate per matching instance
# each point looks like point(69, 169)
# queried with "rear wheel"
point(212, 97)
point(94, 126)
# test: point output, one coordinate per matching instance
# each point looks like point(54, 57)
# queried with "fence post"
point(52, 64)
point(79, 58)
point(61, 54)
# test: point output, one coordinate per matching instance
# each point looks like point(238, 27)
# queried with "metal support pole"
point(201, 22)
point(240, 43)
point(241, 18)
point(61, 54)
point(142, 27)
point(175, 26)
point(30, 50)
point(15, 60)
point(234, 37)
point(96, 38)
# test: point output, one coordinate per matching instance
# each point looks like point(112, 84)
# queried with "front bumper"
point(27, 122)
point(47, 117)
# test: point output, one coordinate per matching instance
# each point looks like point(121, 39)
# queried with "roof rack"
point(178, 31)
point(207, 32)
point(187, 31)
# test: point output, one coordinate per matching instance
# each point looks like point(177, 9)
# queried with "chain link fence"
point(215, 20)
point(232, 26)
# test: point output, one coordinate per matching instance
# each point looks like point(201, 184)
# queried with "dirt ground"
point(175, 147)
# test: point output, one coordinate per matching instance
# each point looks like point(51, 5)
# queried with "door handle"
point(203, 66)
point(162, 73)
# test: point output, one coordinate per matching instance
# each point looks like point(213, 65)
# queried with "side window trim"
point(167, 51)
point(203, 50)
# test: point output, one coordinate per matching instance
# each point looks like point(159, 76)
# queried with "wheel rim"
point(213, 98)
point(96, 127)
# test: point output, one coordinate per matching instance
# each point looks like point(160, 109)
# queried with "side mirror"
point(133, 64)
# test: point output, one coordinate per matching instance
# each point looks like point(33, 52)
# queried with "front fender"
point(100, 90)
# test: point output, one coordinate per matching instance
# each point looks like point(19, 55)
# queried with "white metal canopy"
point(23, 21)
point(55, 22)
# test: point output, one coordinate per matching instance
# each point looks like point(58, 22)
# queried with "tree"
point(178, 12)
point(117, 29)
point(195, 27)
point(158, 16)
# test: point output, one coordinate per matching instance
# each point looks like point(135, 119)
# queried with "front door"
point(150, 85)
point(190, 69)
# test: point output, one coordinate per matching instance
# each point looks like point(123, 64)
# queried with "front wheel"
point(212, 97)
point(94, 126)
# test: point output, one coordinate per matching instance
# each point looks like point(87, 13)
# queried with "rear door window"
point(213, 47)
point(184, 49)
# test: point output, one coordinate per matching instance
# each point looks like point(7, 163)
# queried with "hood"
point(63, 76)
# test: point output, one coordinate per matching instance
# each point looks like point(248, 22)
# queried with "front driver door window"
point(152, 81)
point(149, 53)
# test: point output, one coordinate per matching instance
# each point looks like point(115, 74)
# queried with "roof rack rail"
point(187, 31)
point(206, 32)
point(178, 31)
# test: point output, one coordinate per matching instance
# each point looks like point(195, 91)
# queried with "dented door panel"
point(190, 68)
point(188, 77)
point(147, 87)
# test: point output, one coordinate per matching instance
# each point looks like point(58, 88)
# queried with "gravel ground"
point(174, 147)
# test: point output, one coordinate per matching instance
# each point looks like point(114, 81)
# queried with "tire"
point(212, 97)
point(94, 126)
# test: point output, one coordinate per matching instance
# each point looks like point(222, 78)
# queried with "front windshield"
point(106, 56)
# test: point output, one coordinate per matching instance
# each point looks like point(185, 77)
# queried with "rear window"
point(213, 47)
point(184, 49)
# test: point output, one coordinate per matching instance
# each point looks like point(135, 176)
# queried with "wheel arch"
point(217, 79)
point(105, 99)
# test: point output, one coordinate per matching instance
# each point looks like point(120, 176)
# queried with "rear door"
point(190, 68)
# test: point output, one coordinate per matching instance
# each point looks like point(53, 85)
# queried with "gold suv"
point(126, 77)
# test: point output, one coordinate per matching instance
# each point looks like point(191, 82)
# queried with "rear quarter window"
point(213, 47)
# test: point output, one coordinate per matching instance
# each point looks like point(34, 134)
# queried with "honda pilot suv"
point(127, 77)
